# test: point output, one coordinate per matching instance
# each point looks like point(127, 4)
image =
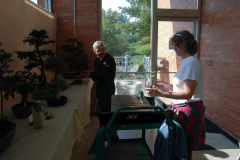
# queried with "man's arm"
point(107, 67)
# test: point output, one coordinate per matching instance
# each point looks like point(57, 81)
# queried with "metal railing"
point(126, 63)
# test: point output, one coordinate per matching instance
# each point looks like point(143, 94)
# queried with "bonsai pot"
point(54, 102)
point(7, 131)
point(23, 112)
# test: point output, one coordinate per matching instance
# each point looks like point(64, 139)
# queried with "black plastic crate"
point(103, 109)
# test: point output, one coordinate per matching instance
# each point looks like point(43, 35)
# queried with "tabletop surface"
point(56, 138)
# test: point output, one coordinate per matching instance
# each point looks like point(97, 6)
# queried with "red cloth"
point(191, 117)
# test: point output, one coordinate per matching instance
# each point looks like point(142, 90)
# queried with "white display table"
point(57, 137)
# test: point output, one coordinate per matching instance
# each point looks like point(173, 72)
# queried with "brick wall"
point(86, 27)
point(220, 42)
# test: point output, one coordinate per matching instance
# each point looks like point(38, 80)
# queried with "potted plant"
point(55, 86)
point(7, 128)
point(38, 113)
point(35, 58)
point(24, 82)
point(77, 60)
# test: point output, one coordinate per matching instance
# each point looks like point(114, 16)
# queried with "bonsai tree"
point(55, 64)
point(24, 82)
point(5, 78)
point(7, 128)
point(77, 60)
point(35, 58)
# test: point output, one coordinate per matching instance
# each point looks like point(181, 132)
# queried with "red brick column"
point(86, 27)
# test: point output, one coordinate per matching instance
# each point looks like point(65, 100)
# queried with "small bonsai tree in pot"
point(35, 58)
point(77, 60)
point(55, 86)
point(38, 113)
point(7, 128)
point(24, 82)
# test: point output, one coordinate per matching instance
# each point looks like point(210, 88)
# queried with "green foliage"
point(77, 59)
point(139, 30)
point(154, 74)
point(79, 65)
point(37, 38)
point(24, 82)
point(112, 35)
point(55, 64)
point(7, 87)
point(139, 76)
point(137, 61)
point(119, 32)
point(150, 86)
point(55, 86)
point(5, 78)
point(34, 59)
point(123, 76)
point(38, 108)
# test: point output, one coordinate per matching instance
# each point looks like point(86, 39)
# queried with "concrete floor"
point(91, 130)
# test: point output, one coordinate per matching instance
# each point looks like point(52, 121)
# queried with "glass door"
point(125, 29)
point(167, 60)
point(169, 17)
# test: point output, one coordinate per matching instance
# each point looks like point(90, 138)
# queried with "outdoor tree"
point(138, 30)
point(124, 36)
point(112, 35)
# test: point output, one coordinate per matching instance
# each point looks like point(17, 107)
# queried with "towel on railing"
point(169, 144)
point(101, 145)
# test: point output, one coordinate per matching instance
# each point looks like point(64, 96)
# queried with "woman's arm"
point(187, 93)
point(163, 85)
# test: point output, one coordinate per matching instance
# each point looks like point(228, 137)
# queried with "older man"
point(105, 68)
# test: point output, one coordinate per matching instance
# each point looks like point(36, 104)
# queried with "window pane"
point(168, 59)
point(44, 5)
point(177, 4)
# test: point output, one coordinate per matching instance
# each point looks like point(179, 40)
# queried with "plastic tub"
point(129, 87)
